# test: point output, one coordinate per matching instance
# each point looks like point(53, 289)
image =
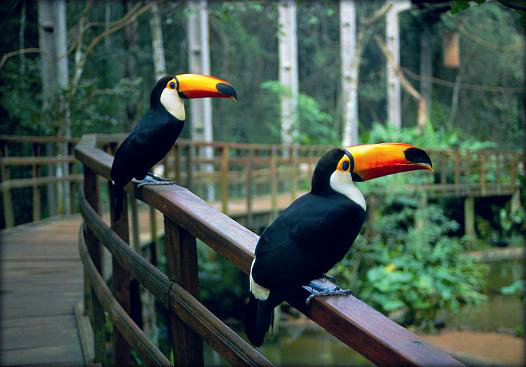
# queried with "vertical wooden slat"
point(482, 172)
point(71, 183)
point(177, 163)
point(249, 180)
point(189, 167)
point(293, 153)
point(181, 255)
point(154, 238)
point(91, 191)
point(497, 170)
point(224, 178)
point(274, 182)
point(9, 217)
point(458, 165)
point(120, 280)
point(36, 188)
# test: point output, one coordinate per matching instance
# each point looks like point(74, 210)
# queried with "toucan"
point(155, 134)
point(315, 232)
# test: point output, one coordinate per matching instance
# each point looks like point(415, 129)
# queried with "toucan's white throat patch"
point(342, 183)
point(173, 103)
point(258, 291)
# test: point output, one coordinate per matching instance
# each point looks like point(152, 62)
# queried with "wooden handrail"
point(361, 327)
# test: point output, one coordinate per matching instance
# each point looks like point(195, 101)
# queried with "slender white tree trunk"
point(199, 61)
point(159, 61)
point(426, 68)
point(392, 30)
point(288, 69)
point(46, 29)
point(62, 69)
point(349, 72)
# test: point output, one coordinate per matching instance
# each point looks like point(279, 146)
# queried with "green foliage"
point(416, 268)
point(314, 126)
point(429, 137)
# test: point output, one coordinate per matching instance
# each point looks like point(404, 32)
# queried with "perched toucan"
point(155, 134)
point(317, 229)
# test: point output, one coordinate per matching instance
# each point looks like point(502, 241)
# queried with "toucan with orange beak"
point(155, 134)
point(317, 229)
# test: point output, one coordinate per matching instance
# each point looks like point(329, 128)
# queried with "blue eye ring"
point(172, 85)
point(345, 165)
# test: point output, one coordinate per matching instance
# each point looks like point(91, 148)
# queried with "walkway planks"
point(41, 281)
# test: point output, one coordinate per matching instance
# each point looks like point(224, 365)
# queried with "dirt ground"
point(501, 348)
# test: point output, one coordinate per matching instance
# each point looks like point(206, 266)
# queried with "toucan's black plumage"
point(304, 242)
point(316, 230)
point(150, 140)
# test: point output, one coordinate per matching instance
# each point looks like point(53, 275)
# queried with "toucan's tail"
point(259, 315)
point(118, 193)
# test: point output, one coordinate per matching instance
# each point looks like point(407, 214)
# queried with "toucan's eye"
point(345, 165)
point(172, 85)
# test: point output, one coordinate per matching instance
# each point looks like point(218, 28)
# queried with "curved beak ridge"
point(202, 86)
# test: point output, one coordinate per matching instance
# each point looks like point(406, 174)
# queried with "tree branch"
point(405, 83)
point(22, 51)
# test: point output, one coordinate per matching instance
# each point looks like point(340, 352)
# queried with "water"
point(301, 344)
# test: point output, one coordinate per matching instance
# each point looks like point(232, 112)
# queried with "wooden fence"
point(228, 172)
point(186, 219)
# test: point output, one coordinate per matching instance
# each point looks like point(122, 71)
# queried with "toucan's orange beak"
point(377, 160)
point(201, 86)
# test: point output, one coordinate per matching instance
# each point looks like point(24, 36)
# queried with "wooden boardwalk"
point(41, 282)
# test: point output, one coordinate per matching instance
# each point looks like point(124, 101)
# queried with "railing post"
point(36, 189)
point(469, 219)
point(181, 255)
point(91, 302)
point(120, 280)
point(224, 178)
point(9, 217)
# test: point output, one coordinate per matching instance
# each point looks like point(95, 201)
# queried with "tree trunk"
point(159, 62)
point(130, 42)
point(199, 62)
point(350, 66)
point(62, 69)
point(426, 68)
point(46, 29)
point(392, 30)
point(288, 69)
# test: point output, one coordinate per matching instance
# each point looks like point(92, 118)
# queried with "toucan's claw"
point(318, 289)
point(152, 180)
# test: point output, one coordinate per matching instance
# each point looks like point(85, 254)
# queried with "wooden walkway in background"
point(41, 282)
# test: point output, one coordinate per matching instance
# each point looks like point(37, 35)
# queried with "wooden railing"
point(235, 175)
point(186, 219)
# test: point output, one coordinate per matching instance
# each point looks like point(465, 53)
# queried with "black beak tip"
point(227, 90)
point(416, 155)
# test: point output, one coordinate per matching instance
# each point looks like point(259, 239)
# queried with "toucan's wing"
point(306, 240)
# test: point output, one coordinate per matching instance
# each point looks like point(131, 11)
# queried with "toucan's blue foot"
point(318, 288)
